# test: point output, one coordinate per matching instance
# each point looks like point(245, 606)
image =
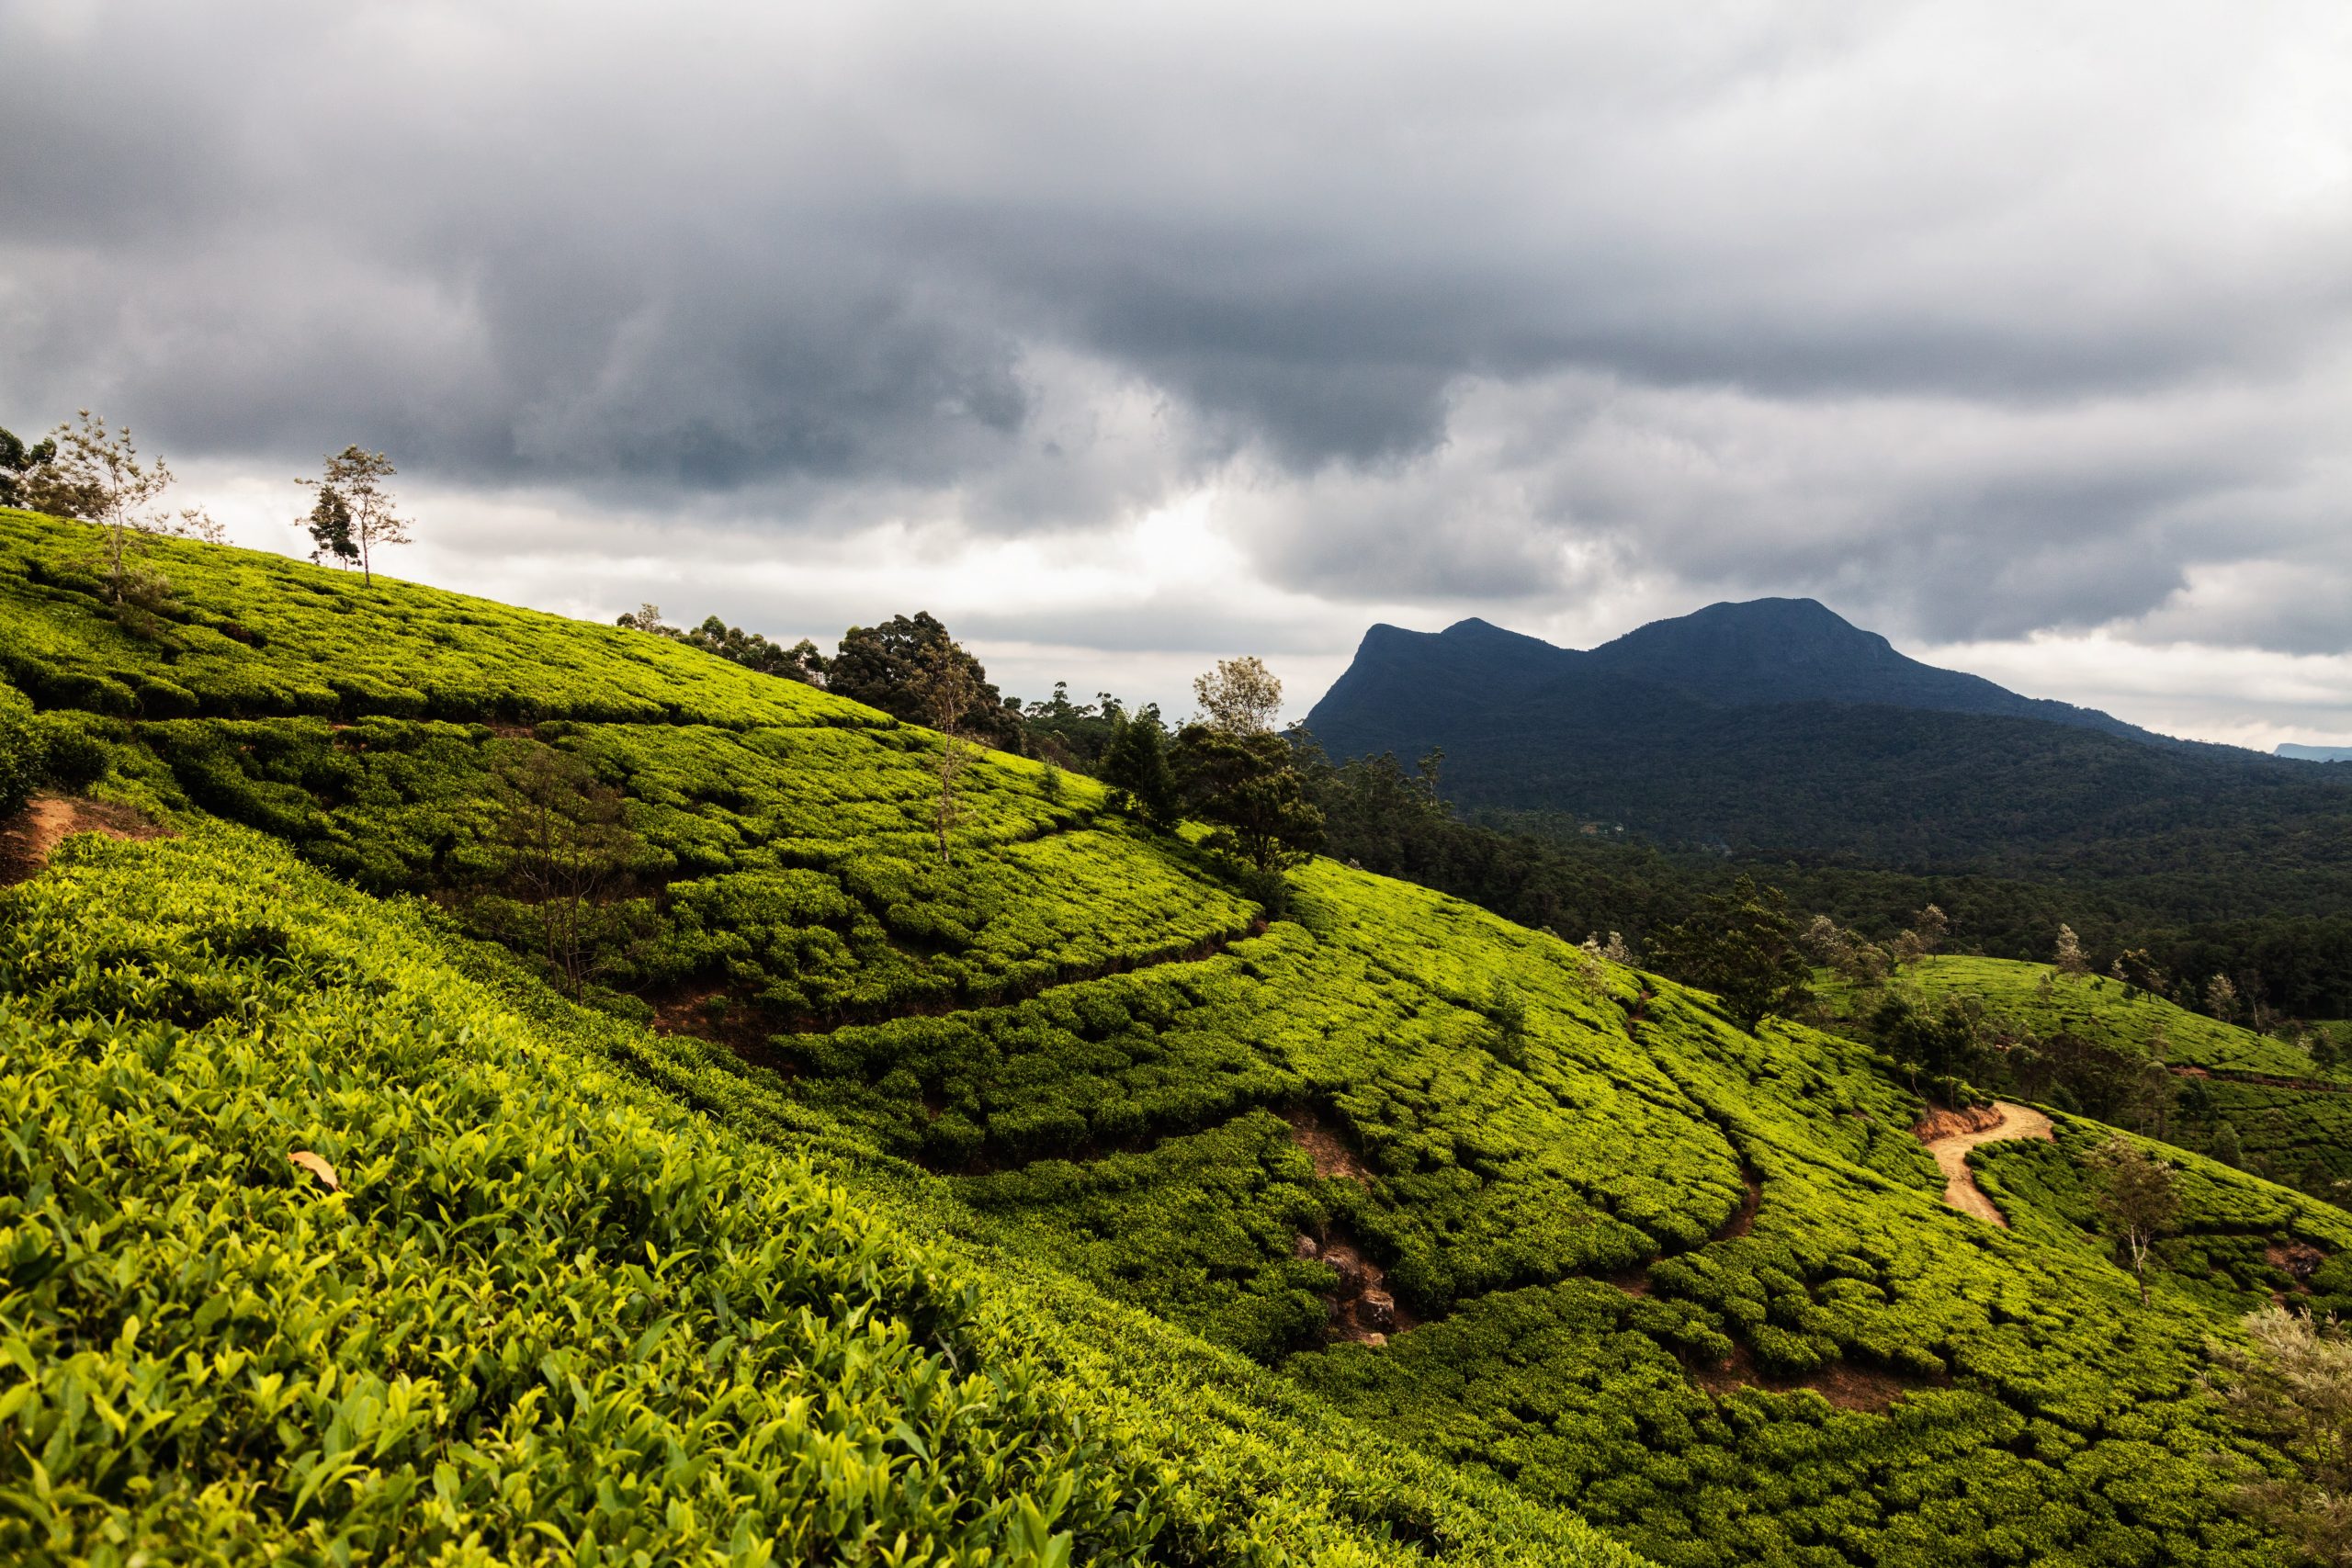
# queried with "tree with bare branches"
point(351, 486)
point(945, 690)
point(95, 474)
point(567, 855)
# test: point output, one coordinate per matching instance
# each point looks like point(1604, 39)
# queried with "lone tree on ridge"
point(95, 473)
point(355, 478)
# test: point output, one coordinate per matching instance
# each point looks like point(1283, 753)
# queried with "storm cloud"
point(1131, 335)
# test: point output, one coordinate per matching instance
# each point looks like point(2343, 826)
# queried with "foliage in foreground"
point(2293, 1382)
point(513, 1306)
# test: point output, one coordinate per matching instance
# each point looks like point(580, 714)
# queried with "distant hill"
point(1778, 726)
point(2314, 753)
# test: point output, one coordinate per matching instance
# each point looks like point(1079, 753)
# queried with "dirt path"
point(27, 838)
point(2266, 1080)
point(1951, 1150)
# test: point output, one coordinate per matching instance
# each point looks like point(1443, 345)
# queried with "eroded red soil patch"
point(1360, 1305)
point(2298, 1261)
point(1361, 1308)
point(1330, 1152)
point(735, 1025)
point(30, 838)
point(1941, 1121)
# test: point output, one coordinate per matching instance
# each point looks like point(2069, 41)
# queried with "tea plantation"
point(1048, 1200)
point(2289, 1116)
point(531, 1307)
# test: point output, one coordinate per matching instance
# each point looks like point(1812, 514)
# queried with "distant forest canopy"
point(1775, 737)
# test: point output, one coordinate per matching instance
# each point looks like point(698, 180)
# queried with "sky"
point(1128, 338)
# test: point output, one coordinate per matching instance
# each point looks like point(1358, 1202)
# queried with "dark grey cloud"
point(1976, 323)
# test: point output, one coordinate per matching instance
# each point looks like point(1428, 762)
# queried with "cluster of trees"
point(1227, 767)
point(800, 662)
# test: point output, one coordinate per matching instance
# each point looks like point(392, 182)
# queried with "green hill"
point(1384, 1230)
point(2290, 1117)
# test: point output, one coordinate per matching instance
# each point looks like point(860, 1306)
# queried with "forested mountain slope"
point(1464, 1192)
point(1672, 729)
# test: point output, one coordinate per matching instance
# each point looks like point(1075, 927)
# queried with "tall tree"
point(1135, 764)
point(2066, 957)
point(891, 667)
point(1240, 696)
point(945, 689)
point(356, 477)
point(2137, 1198)
point(1248, 786)
point(2163, 1089)
point(331, 540)
point(1744, 946)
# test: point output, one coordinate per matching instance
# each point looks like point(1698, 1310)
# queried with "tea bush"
point(2111, 1012)
point(22, 754)
point(252, 635)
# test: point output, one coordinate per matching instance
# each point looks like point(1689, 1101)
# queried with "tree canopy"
point(1250, 788)
point(894, 667)
point(1744, 946)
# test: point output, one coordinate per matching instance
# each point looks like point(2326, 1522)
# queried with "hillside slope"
point(2291, 1117)
point(1552, 1220)
point(542, 1310)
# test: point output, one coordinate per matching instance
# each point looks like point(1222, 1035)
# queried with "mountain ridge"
point(1671, 727)
point(1749, 653)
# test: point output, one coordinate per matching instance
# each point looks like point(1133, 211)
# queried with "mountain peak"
point(1731, 654)
point(1733, 639)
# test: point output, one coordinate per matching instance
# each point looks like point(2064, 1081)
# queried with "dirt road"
point(1952, 1155)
